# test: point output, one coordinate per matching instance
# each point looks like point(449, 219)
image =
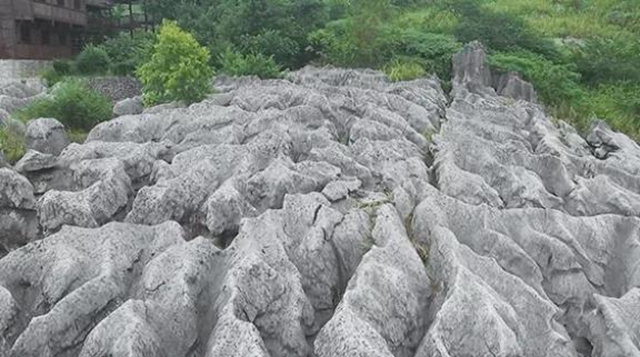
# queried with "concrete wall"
point(10, 70)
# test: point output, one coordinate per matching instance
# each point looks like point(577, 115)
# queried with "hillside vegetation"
point(583, 56)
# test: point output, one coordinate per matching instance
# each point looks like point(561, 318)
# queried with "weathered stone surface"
point(337, 190)
point(614, 325)
point(15, 95)
point(129, 106)
point(46, 135)
point(332, 213)
point(35, 161)
point(102, 189)
point(383, 311)
point(5, 117)
point(510, 85)
point(18, 221)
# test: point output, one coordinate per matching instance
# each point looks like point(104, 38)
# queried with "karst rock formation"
point(331, 214)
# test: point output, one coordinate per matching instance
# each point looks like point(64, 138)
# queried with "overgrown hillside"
point(583, 56)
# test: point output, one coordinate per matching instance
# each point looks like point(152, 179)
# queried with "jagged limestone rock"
point(46, 135)
point(18, 221)
point(129, 106)
point(332, 213)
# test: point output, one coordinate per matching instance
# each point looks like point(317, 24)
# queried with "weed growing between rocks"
point(73, 104)
point(11, 143)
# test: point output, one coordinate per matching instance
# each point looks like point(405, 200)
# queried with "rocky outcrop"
point(17, 212)
point(16, 94)
point(46, 135)
point(128, 106)
point(332, 213)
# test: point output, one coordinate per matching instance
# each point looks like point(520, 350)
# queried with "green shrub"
point(496, 30)
point(11, 143)
point(367, 38)
point(73, 104)
point(608, 60)
point(63, 67)
point(399, 70)
point(333, 46)
point(127, 53)
point(284, 49)
point(124, 68)
point(178, 68)
point(50, 77)
point(434, 50)
point(93, 60)
point(556, 84)
point(256, 64)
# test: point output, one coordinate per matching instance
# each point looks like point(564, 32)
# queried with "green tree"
point(178, 68)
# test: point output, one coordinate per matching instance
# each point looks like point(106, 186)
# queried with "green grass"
point(565, 18)
point(77, 136)
point(11, 144)
point(399, 70)
point(429, 19)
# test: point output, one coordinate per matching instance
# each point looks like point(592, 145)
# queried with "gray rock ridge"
point(331, 213)
point(129, 106)
point(17, 211)
point(17, 94)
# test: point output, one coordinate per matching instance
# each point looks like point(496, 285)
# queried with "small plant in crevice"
point(11, 143)
point(343, 138)
point(368, 243)
point(399, 70)
point(422, 250)
point(428, 134)
point(372, 206)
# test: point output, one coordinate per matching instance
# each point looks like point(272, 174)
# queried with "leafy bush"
point(497, 30)
point(50, 77)
point(435, 50)
point(557, 84)
point(124, 68)
point(255, 64)
point(333, 46)
point(73, 104)
point(127, 53)
point(399, 70)
point(11, 143)
point(178, 68)
point(272, 43)
point(607, 60)
point(93, 60)
point(63, 67)
point(364, 39)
